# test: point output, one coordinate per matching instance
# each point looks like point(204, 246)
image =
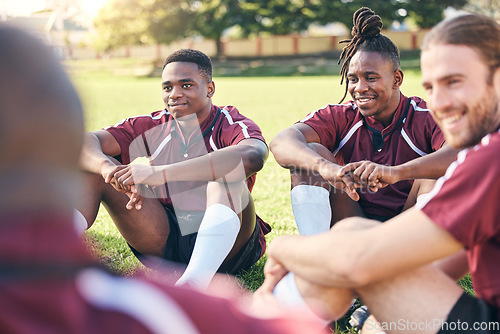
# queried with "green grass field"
point(272, 102)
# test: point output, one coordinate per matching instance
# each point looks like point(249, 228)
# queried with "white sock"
point(288, 295)
point(79, 222)
point(311, 209)
point(216, 236)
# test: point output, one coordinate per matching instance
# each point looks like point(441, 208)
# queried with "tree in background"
point(278, 17)
point(427, 13)
point(328, 11)
point(212, 17)
point(128, 22)
point(136, 22)
point(490, 8)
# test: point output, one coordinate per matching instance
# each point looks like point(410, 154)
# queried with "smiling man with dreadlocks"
point(380, 149)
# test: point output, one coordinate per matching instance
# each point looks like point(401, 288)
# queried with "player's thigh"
point(234, 195)
point(146, 229)
point(416, 301)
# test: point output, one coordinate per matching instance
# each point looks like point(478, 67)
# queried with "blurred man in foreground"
point(48, 281)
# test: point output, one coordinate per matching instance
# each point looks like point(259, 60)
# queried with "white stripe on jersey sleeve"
point(348, 136)
point(449, 172)
point(163, 112)
point(137, 299)
point(417, 108)
point(410, 143)
point(439, 183)
point(243, 126)
point(212, 144)
point(311, 114)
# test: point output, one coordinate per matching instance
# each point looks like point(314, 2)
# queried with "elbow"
point(278, 150)
point(274, 144)
point(255, 160)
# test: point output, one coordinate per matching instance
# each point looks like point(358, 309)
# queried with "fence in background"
point(287, 45)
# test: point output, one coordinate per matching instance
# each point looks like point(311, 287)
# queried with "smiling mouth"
point(176, 104)
point(448, 120)
point(364, 99)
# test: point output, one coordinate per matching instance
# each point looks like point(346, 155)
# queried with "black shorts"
point(471, 315)
point(179, 247)
point(381, 219)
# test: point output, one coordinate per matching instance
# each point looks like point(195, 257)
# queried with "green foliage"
point(490, 8)
point(342, 11)
point(280, 17)
point(427, 13)
point(129, 22)
point(133, 22)
point(213, 17)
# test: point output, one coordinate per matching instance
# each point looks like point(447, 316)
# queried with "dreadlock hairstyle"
point(366, 36)
point(192, 56)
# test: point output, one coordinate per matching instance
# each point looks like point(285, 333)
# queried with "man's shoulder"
point(347, 107)
point(342, 111)
point(155, 116)
point(418, 104)
point(488, 149)
point(232, 114)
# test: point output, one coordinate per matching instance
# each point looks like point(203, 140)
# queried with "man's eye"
point(186, 85)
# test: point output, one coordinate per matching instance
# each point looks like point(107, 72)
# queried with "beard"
point(483, 118)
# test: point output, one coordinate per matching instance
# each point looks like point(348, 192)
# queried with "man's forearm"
point(92, 158)
point(233, 164)
point(431, 166)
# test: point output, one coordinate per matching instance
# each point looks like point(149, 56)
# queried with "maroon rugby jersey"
point(49, 284)
point(158, 138)
point(465, 202)
point(353, 137)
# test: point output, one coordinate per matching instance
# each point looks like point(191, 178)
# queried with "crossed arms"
point(100, 146)
point(357, 174)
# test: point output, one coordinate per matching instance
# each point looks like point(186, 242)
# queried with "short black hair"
point(192, 56)
point(366, 36)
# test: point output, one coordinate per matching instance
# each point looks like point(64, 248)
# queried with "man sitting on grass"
point(191, 204)
point(49, 283)
point(406, 269)
point(369, 157)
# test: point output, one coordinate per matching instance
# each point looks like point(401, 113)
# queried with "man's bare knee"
point(233, 195)
point(309, 177)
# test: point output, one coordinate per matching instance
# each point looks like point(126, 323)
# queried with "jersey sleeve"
point(434, 133)
point(429, 137)
point(237, 127)
point(126, 132)
point(465, 200)
point(327, 122)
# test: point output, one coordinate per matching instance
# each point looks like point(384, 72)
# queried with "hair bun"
point(366, 23)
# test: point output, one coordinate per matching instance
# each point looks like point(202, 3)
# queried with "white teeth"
point(451, 119)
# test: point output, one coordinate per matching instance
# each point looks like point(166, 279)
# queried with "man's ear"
point(398, 79)
point(496, 82)
point(211, 89)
